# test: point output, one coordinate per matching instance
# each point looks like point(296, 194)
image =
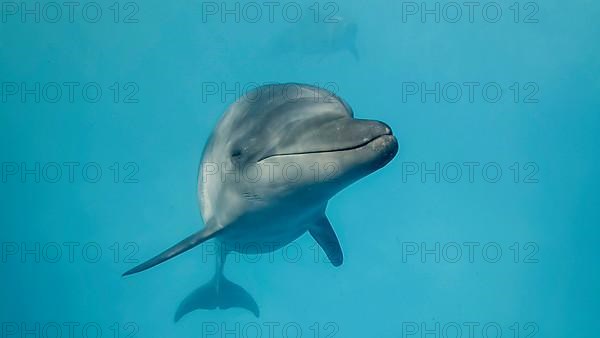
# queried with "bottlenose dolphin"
point(285, 131)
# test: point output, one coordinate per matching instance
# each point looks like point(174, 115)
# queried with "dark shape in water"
point(318, 38)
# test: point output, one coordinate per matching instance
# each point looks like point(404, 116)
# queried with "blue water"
point(405, 230)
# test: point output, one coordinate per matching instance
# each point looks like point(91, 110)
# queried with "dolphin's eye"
point(236, 153)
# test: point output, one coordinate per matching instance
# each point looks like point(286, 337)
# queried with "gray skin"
point(293, 126)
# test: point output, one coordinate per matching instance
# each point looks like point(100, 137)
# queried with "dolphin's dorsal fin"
point(323, 233)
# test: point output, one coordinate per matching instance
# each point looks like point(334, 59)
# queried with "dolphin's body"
point(308, 146)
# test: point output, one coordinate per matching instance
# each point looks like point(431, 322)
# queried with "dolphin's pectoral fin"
point(218, 293)
point(323, 233)
point(179, 248)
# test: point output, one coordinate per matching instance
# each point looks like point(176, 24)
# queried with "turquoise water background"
point(399, 228)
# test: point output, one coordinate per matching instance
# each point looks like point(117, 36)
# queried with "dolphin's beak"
point(387, 148)
point(334, 136)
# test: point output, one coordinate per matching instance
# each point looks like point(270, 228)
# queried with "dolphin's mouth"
point(387, 133)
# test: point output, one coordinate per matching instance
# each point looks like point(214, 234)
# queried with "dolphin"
point(277, 156)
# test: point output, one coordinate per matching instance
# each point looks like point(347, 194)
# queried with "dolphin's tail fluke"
point(219, 293)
